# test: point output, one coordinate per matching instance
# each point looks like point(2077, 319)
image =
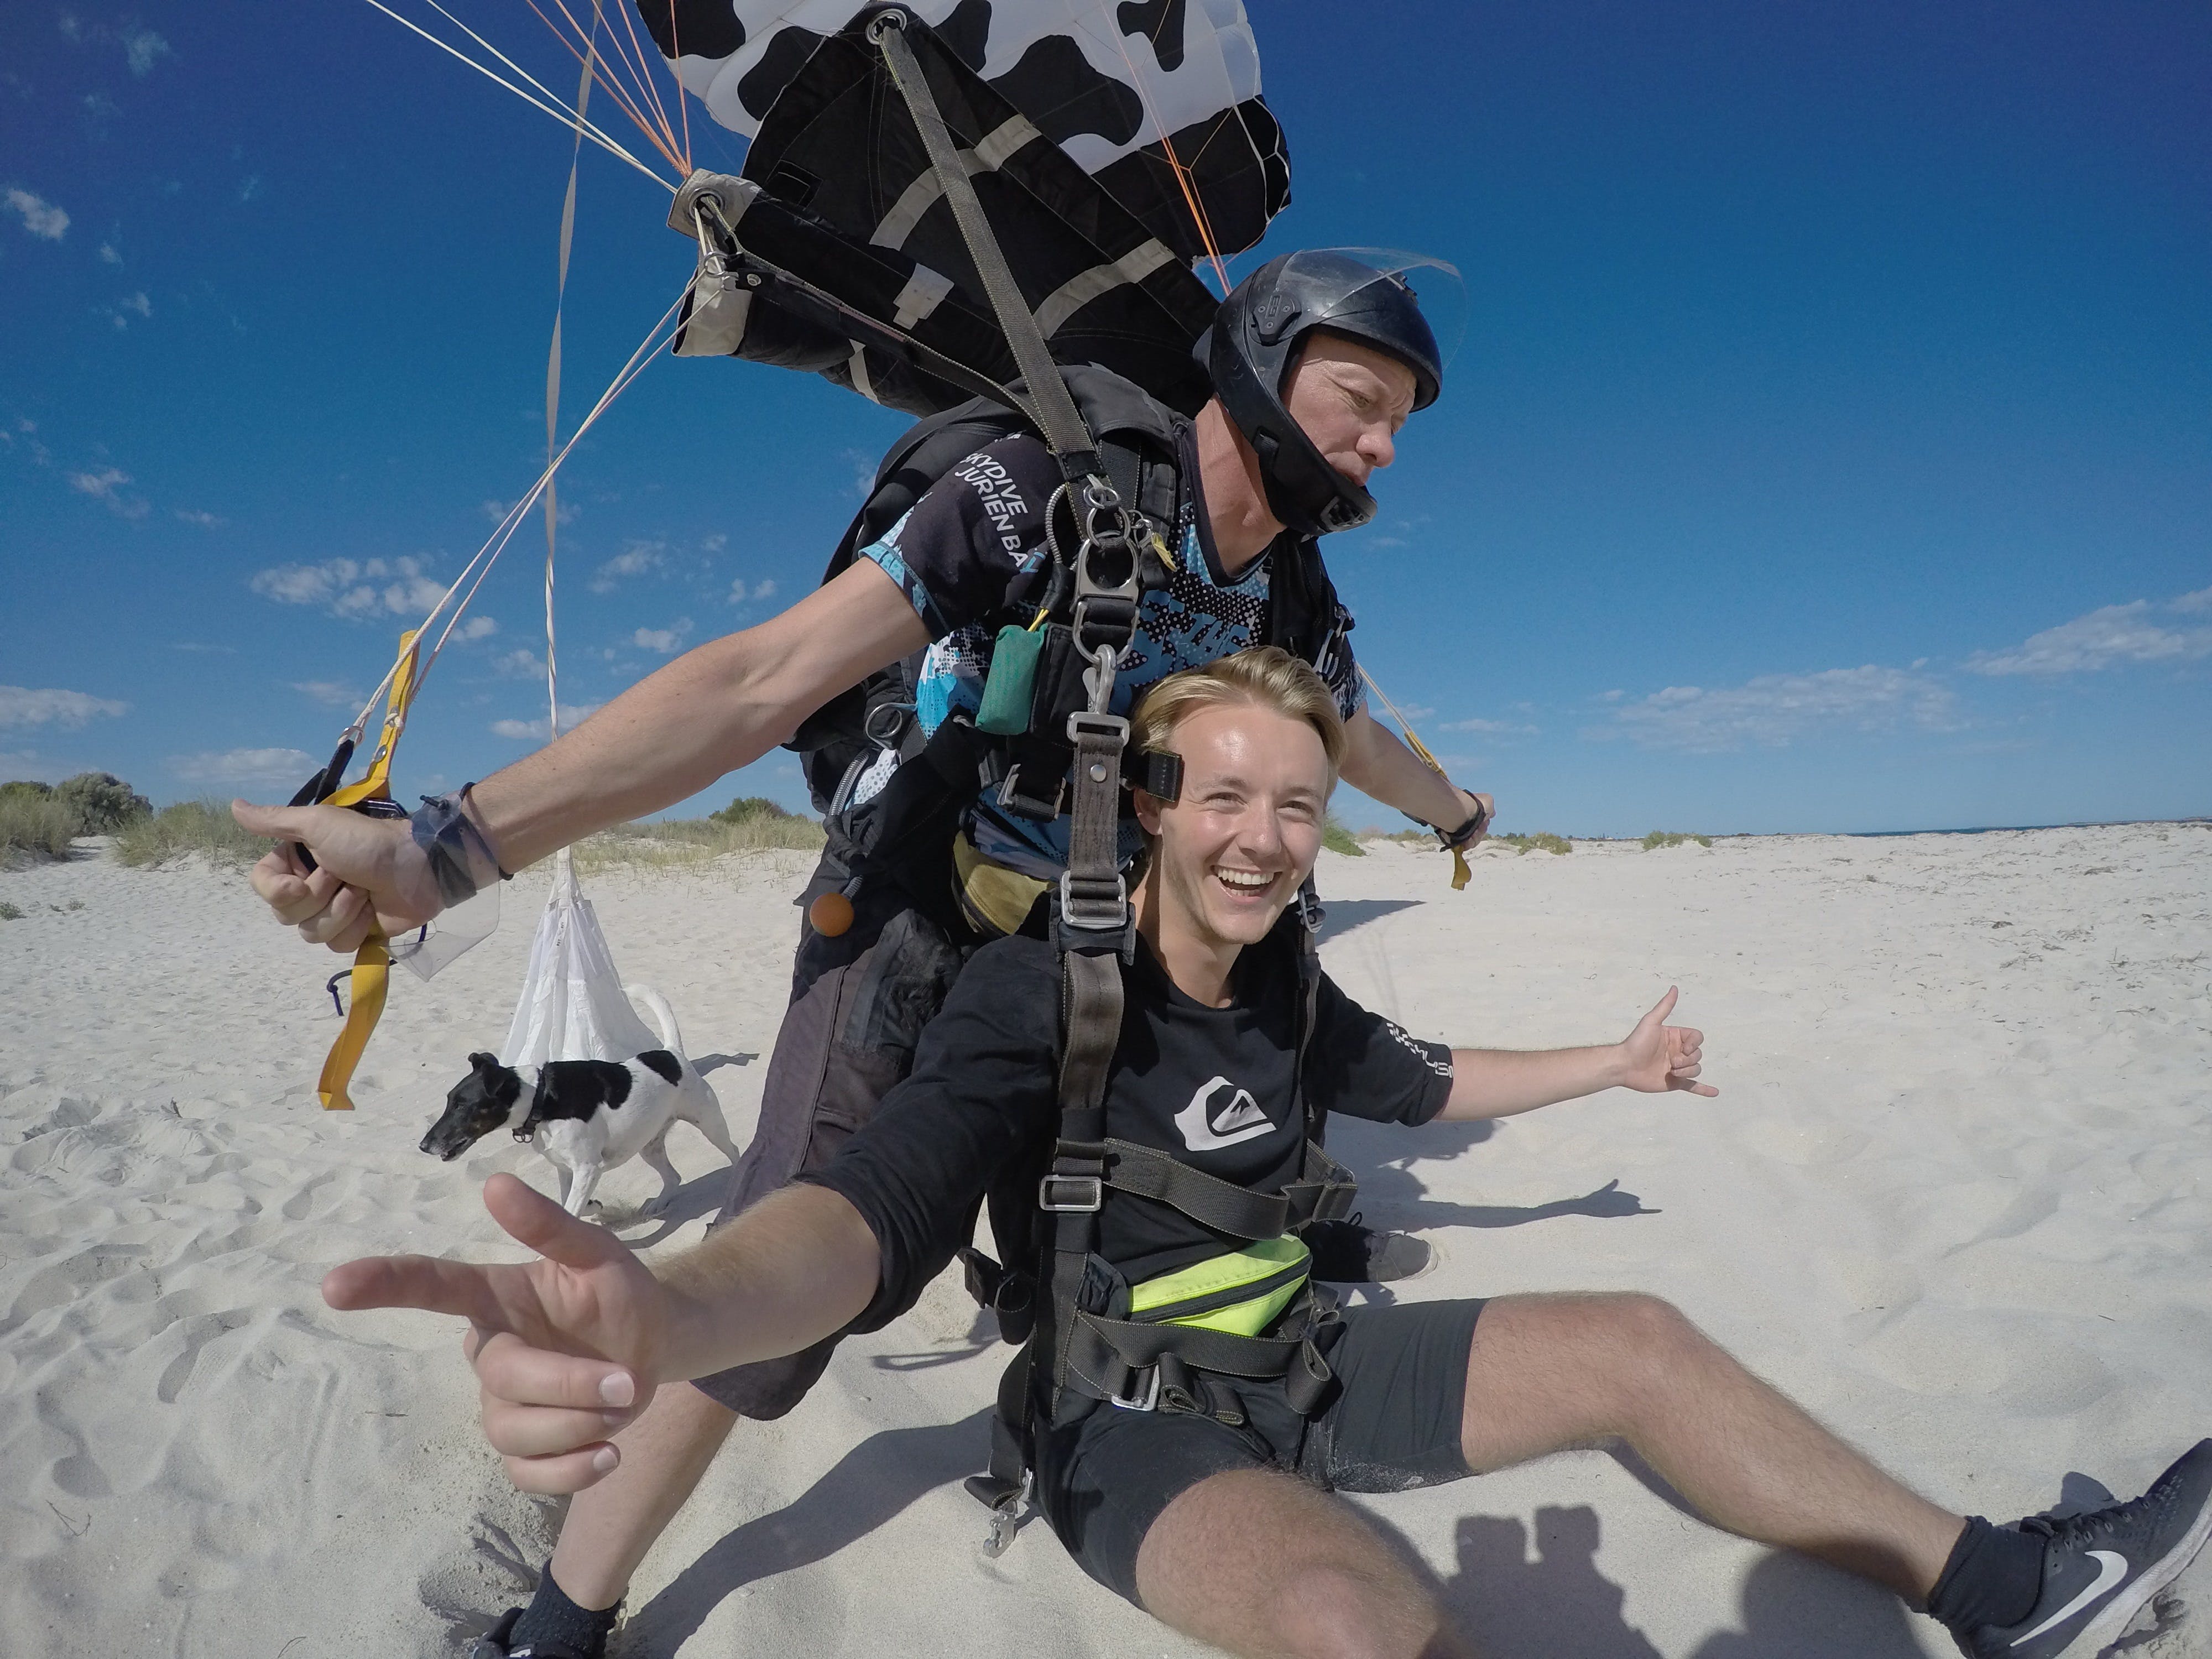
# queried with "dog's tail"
point(663, 1016)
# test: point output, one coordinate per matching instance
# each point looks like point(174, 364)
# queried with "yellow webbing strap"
point(1460, 873)
point(372, 963)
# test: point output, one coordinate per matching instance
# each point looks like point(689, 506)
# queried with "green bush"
point(1659, 838)
point(102, 802)
point(747, 808)
point(33, 825)
point(1542, 841)
point(205, 827)
point(9, 912)
point(1339, 839)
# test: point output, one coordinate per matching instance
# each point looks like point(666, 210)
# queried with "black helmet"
point(1255, 337)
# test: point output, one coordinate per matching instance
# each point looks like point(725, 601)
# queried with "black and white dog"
point(585, 1116)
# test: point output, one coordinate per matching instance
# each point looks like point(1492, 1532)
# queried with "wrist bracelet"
point(1453, 840)
point(461, 860)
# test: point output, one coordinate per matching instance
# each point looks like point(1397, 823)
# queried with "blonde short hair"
point(1266, 676)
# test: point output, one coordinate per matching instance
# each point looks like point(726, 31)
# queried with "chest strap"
point(1322, 1192)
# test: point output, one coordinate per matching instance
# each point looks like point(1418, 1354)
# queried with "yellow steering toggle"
point(372, 963)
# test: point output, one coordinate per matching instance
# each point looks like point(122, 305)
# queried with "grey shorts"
point(848, 1037)
point(1394, 1423)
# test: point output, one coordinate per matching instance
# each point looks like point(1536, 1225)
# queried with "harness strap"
point(1132, 1366)
point(1324, 1192)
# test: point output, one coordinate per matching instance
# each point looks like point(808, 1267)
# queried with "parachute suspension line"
point(488, 553)
point(1460, 872)
point(651, 86)
point(632, 98)
point(565, 117)
point(1182, 175)
point(553, 379)
point(436, 6)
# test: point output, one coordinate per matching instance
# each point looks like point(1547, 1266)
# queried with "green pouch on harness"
point(1241, 1293)
point(1006, 693)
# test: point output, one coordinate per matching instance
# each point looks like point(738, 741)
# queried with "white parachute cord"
point(568, 118)
point(630, 371)
point(488, 553)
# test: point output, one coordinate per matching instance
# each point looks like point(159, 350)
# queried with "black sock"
point(552, 1617)
point(1993, 1578)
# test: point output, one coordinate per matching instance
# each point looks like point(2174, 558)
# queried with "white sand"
point(1956, 1196)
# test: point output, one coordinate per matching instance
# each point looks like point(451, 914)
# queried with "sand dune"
point(1956, 1196)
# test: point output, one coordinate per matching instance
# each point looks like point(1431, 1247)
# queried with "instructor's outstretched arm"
point(569, 1348)
point(709, 712)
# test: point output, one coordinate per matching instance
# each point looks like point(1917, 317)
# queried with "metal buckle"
point(1094, 916)
point(1010, 797)
point(1147, 1399)
point(1093, 1188)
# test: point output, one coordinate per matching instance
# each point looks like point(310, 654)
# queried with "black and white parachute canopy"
point(1113, 142)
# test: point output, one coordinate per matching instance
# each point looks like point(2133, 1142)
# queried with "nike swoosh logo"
point(2110, 1568)
point(1242, 1121)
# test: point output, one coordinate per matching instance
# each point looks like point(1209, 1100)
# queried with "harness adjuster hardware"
point(1094, 915)
point(1146, 1392)
point(1085, 1193)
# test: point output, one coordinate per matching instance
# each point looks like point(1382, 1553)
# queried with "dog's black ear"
point(485, 1062)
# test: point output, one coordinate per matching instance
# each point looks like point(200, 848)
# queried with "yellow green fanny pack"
point(1241, 1293)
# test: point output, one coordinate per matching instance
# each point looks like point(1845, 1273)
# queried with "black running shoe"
point(2100, 1570)
point(1346, 1253)
point(493, 1643)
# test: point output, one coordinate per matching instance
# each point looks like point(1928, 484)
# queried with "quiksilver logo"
point(1204, 1130)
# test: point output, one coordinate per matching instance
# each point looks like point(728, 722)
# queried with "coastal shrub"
point(205, 827)
point(1659, 838)
point(34, 826)
point(8, 912)
point(1338, 838)
point(746, 808)
point(1542, 841)
point(673, 843)
point(103, 802)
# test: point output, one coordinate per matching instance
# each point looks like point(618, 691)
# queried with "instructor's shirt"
point(1210, 1086)
point(970, 557)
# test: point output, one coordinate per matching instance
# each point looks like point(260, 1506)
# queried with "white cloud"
point(40, 217)
point(244, 766)
point(716, 543)
point(572, 716)
point(522, 664)
point(108, 256)
point(635, 560)
point(2111, 634)
point(331, 693)
point(665, 640)
point(106, 486)
point(495, 511)
point(143, 49)
point(250, 189)
point(204, 520)
point(1774, 710)
point(348, 587)
point(1499, 728)
point(476, 628)
point(19, 705)
point(740, 594)
point(137, 302)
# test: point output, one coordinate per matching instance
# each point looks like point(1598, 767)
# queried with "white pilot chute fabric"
point(573, 1007)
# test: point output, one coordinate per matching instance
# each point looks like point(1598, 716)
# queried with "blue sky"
point(1831, 448)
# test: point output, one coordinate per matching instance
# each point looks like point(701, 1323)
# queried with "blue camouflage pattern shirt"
point(970, 557)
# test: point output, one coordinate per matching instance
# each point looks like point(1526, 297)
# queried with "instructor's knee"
point(1652, 1335)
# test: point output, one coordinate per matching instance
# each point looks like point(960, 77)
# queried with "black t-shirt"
point(1213, 1086)
point(970, 557)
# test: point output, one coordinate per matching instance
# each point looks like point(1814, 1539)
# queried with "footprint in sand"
point(199, 1332)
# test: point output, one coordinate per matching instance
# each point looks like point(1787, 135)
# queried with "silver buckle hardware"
point(1090, 723)
point(1094, 916)
point(1147, 1398)
point(1089, 1193)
